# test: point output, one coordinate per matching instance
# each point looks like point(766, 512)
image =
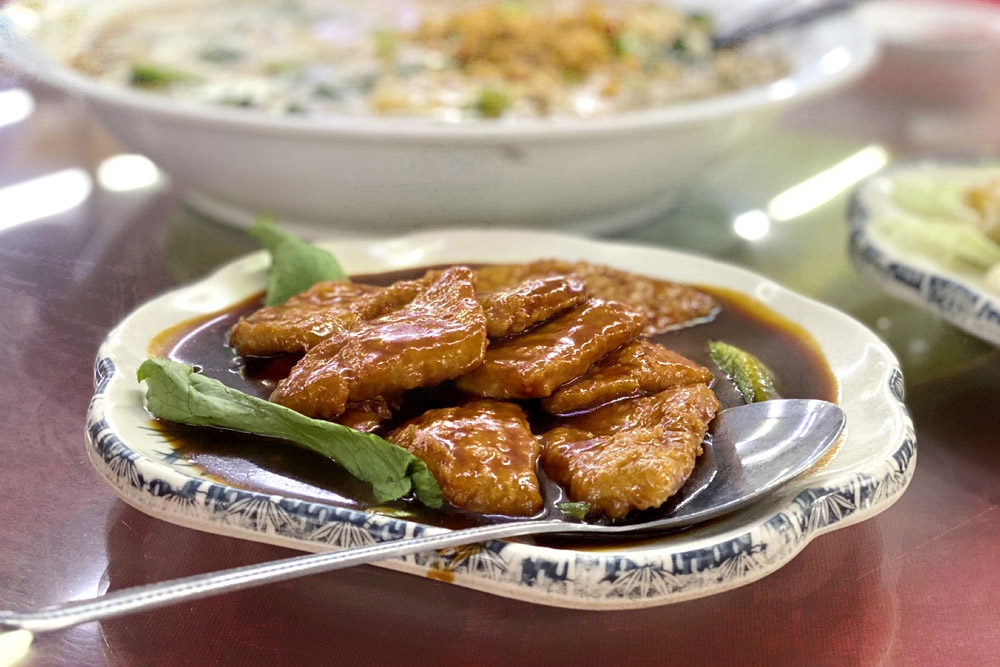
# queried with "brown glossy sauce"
point(275, 467)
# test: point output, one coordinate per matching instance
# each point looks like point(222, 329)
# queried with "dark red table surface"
point(919, 584)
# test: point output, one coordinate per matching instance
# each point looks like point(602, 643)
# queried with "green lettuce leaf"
point(752, 377)
point(175, 392)
point(296, 265)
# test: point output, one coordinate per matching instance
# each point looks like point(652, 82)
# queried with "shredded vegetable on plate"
point(952, 217)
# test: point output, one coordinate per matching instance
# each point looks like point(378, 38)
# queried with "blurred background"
point(103, 205)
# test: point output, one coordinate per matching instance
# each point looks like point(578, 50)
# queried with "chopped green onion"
point(145, 75)
point(574, 510)
point(492, 102)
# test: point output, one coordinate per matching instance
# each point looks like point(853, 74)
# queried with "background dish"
point(868, 473)
point(957, 294)
point(378, 175)
point(936, 47)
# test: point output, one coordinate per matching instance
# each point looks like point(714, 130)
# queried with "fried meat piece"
point(513, 309)
point(318, 313)
point(533, 364)
point(366, 416)
point(666, 304)
point(483, 455)
point(638, 368)
point(633, 454)
point(439, 335)
point(297, 324)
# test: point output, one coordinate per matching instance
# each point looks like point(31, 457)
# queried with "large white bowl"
point(375, 174)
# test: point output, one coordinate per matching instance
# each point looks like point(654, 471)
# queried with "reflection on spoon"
point(754, 449)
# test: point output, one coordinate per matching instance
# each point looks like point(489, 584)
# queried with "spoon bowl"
point(752, 450)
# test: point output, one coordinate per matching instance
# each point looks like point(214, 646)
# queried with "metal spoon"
point(773, 21)
point(753, 450)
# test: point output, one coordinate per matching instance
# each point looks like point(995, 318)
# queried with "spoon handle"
point(151, 596)
point(769, 24)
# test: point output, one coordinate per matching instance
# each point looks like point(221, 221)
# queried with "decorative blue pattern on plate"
point(958, 296)
point(869, 471)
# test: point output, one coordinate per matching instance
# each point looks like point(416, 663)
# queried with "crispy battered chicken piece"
point(633, 454)
point(638, 368)
point(533, 364)
point(318, 313)
point(511, 310)
point(439, 335)
point(666, 305)
point(482, 453)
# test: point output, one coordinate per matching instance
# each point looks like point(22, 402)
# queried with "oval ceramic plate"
point(956, 293)
point(869, 471)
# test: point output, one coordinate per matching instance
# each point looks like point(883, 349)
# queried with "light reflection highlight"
point(918, 347)
point(824, 186)
point(14, 645)
point(126, 171)
point(836, 60)
point(399, 254)
point(23, 18)
point(43, 196)
point(16, 104)
point(782, 89)
point(752, 225)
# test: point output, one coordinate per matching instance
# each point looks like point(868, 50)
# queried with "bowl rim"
point(858, 44)
point(929, 26)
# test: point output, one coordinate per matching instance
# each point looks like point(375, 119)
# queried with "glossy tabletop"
point(919, 584)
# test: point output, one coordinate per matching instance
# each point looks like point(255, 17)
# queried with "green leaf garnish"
point(296, 265)
point(492, 102)
point(386, 43)
point(751, 375)
point(147, 75)
point(393, 512)
point(626, 44)
point(703, 21)
point(175, 392)
point(573, 510)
